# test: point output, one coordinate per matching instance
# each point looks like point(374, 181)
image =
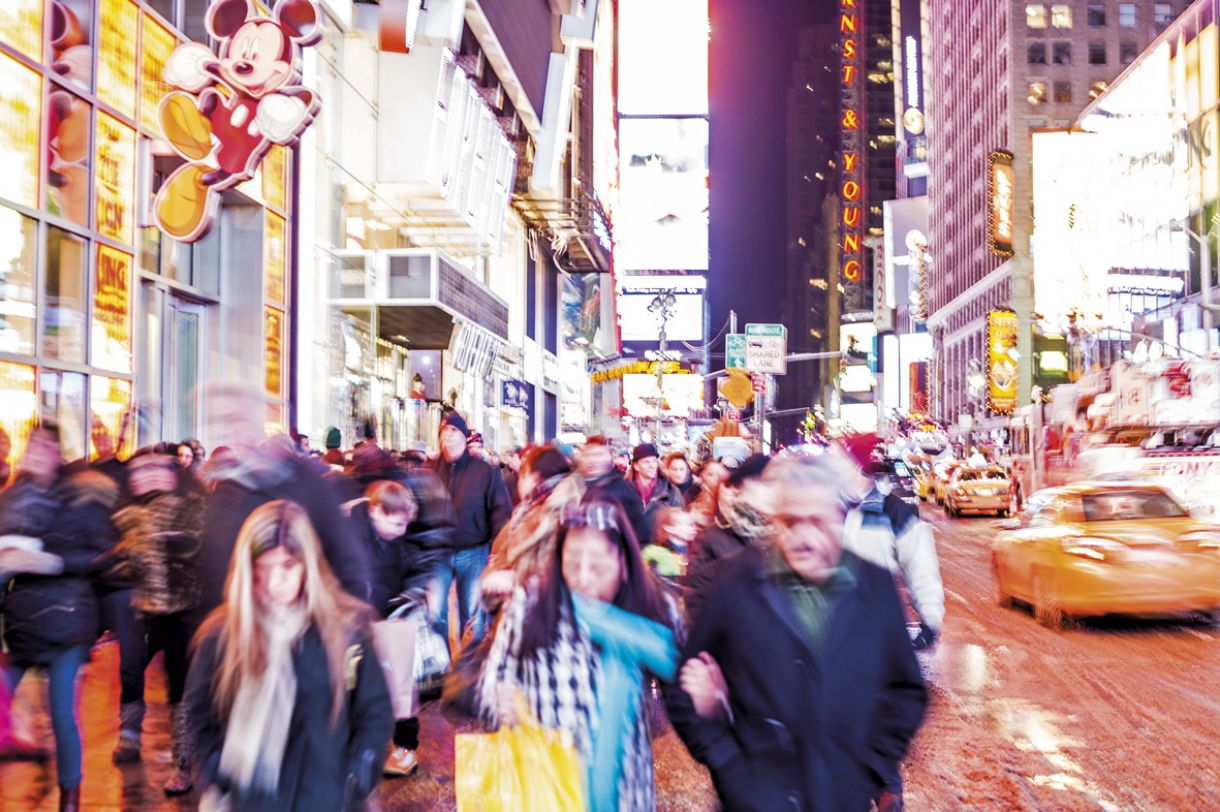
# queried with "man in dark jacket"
point(656, 491)
point(820, 693)
point(603, 479)
point(480, 508)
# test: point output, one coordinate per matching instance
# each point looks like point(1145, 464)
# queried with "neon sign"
point(232, 106)
point(851, 190)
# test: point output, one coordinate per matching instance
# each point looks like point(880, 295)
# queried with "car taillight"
point(1094, 549)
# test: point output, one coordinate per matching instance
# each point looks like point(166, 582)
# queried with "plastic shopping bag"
point(394, 640)
point(431, 652)
point(526, 767)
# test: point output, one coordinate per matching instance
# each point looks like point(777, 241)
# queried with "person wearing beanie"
point(334, 439)
point(481, 508)
point(602, 478)
point(656, 492)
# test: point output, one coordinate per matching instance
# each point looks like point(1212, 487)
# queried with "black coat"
point(713, 544)
point(665, 494)
point(45, 615)
point(480, 501)
point(812, 729)
point(235, 499)
point(394, 566)
point(615, 487)
point(325, 768)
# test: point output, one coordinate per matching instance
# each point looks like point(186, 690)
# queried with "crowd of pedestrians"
point(757, 602)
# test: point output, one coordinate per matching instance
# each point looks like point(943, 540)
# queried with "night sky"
point(753, 45)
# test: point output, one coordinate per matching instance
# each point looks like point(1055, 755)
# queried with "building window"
point(1061, 15)
point(1162, 15)
point(1127, 15)
point(17, 287)
point(1097, 15)
point(1097, 53)
point(1037, 53)
point(1061, 53)
point(1036, 123)
point(63, 323)
point(1063, 91)
point(1127, 52)
point(1035, 15)
point(1037, 92)
point(1097, 88)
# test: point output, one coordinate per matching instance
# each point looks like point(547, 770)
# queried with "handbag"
point(431, 652)
point(394, 639)
point(525, 767)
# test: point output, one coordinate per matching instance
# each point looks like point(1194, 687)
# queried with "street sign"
point(735, 351)
point(766, 348)
point(760, 384)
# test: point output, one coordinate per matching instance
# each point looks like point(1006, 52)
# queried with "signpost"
point(767, 348)
point(735, 351)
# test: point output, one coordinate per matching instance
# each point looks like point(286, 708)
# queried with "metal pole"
point(1205, 288)
point(732, 321)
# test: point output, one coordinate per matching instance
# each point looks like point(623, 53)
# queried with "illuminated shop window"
point(18, 407)
point(1061, 53)
point(1061, 15)
point(1096, 89)
point(21, 27)
point(1162, 15)
point(156, 43)
point(1127, 52)
point(274, 253)
point(61, 397)
point(68, 159)
point(275, 177)
point(1035, 15)
point(273, 346)
point(71, 35)
point(20, 125)
point(63, 317)
point(109, 403)
point(18, 295)
point(1097, 15)
point(1037, 92)
point(115, 189)
point(1037, 53)
point(1097, 53)
point(116, 60)
point(110, 337)
point(1127, 15)
point(1063, 91)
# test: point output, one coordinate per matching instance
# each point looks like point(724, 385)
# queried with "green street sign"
point(766, 330)
point(735, 351)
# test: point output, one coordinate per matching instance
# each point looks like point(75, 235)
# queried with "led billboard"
point(636, 295)
point(663, 171)
point(662, 57)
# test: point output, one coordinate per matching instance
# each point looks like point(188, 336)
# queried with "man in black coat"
point(602, 479)
point(480, 508)
point(800, 689)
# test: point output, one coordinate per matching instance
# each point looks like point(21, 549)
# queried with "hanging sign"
point(231, 106)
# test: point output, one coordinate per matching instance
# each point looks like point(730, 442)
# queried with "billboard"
point(1001, 363)
point(638, 323)
point(912, 132)
point(680, 394)
point(662, 53)
point(1000, 178)
point(662, 221)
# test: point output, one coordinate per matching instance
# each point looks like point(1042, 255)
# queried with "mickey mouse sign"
point(231, 106)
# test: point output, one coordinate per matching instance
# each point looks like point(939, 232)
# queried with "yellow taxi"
point(941, 474)
point(1107, 548)
point(978, 490)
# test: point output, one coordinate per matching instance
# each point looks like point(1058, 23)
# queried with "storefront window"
point(68, 151)
point(116, 59)
point(62, 399)
point(157, 43)
point(111, 324)
point(273, 337)
point(63, 322)
point(18, 406)
point(109, 403)
point(18, 296)
point(274, 252)
point(20, 125)
point(116, 179)
point(21, 27)
point(72, 41)
point(275, 177)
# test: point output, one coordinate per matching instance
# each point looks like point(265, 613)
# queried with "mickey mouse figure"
point(231, 108)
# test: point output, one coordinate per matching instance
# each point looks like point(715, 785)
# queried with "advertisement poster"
point(275, 177)
point(274, 252)
point(273, 337)
point(1000, 177)
point(116, 179)
point(157, 44)
point(1001, 365)
point(112, 310)
point(20, 116)
point(116, 54)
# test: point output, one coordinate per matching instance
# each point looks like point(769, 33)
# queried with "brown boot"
point(69, 798)
point(183, 745)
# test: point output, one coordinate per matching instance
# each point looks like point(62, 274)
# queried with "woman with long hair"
point(580, 644)
point(285, 692)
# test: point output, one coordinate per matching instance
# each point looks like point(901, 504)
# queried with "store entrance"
point(170, 365)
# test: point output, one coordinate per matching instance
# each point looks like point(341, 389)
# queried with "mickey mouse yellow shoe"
point(183, 203)
point(185, 127)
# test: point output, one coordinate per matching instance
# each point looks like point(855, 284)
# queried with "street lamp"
point(662, 306)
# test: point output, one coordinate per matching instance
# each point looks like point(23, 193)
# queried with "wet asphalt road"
point(1115, 714)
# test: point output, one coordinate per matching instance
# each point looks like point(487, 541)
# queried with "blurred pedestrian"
point(603, 480)
point(677, 470)
point(157, 554)
point(481, 507)
point(622, 462)
point(511, 469)
point(703, 508)
point(667, 553)
point(6, 449)
point(474, 445)
point(799, 688)
point(334, 443)
point(525, 546)
point(285, 692)
point(50, 614)
point(580, 645)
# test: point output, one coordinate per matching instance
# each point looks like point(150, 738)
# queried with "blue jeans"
point(61, 677)
point(467, 567)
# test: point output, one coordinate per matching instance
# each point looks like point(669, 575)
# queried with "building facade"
point(1023, 66)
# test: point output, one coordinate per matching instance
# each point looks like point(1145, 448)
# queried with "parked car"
point(978, 490)
point(1098, 548)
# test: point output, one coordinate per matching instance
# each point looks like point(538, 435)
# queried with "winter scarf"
point(627, 645)
point(748, 522)
point(256, 734)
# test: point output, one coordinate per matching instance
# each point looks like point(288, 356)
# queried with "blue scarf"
point(628, 645)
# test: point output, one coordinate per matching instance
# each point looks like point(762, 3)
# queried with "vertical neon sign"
point(851, 191)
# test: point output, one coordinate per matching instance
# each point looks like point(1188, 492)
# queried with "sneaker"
point(127, 751)
point(401, 762)
point(179, 782)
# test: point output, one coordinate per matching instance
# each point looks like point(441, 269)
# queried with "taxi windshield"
point(1116, 506)
point(980, 474)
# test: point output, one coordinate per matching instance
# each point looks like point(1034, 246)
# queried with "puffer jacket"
point(45, 615)
point(159, 549)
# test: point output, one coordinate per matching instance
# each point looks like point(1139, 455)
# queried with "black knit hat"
point(454, 419)
point(751, 468)
point(643, 451)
